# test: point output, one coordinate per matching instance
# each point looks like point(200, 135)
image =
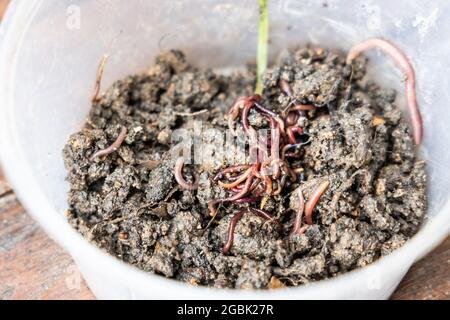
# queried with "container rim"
point(13, 29)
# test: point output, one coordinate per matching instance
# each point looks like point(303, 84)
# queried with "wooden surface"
point(31, 265)
point(34, 267)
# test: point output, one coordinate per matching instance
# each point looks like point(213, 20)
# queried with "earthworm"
point(234, 112)
point(280, 186)
point(255, 184)
point(303, 229)
point(291, 133)
point(260, 190)
point(286, 88)
point(290, 146)
point(270, 114)
point(265, 215)
point(247, 200)
point(303, 107)
point(241, 186)
point(289, 171)
point(285, 149)
point(113, 147)
point(313, 199)
point(265, 111)
point(299, 214)
point(238, 181)
point(256, 170)
point(245, 113)
point(405, 65)
point(233, 169)
point(237, 189)
point(231, 227)
point(240, 194)
point(268, 183)
point(292, 118)
point(283, 164)
point(252, 187)
point(179, 176)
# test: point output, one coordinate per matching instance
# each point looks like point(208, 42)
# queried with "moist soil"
point(129, 203)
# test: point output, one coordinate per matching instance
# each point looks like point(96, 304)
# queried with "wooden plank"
point(428, 279)
point(31, 265)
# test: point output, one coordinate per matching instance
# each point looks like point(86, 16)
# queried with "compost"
point(323, 176)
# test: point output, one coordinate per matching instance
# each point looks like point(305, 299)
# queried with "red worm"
point(239, 195)
point(291, 133)
point(112, 148)
point(247, 200)
point(289, 171)
point(231, 227)
point(265, 111)
point(245, 112)
point(313, 199)
point(234, 110)
point(265, 215)
point(281, 184)
point(261, 189)
point(179, 176)
point(255, 184)
point(238, 181)
point(269, 185)
point(250, 131)
point(233, 169)
point(292, 118)
point(303, 107)
point(294, 154)
point(286, 167)
point(285, 149)
point(405, 65)
point(286, 88)
point(299, 214)
point(256, 170)
point(252, 187)
point(270, 114)
point(237, 189)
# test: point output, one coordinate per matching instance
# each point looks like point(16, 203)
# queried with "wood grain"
point(32, 266)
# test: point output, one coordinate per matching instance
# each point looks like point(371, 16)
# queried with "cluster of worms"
point(271, 169)
point(269, 173)
point(250, 182)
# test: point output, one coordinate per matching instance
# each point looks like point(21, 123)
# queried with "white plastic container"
point(49, 52)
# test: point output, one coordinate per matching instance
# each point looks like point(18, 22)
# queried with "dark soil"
point(129, 204)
